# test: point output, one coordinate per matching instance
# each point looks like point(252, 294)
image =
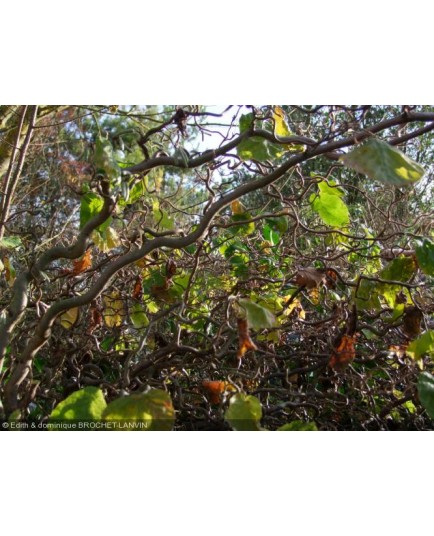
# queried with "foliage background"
point(332, 461)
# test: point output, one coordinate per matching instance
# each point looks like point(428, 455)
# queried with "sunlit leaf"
point(244, 413)
point(425, 388)
point(237, 207)
point(280, 127)
point(331, 209)
point(258, 317)
point(151, 411)
point(298, 426)
point(254, 148)
point(10, 273)
point(69, 318)
point(138, 316)
point(161, 217)
point(11, 242)
point(86, 404)
point(400, 269)
point(383, 162)
point(242, 229)
point(422, 345)
point(106, 239)
point(114, 310)
point(425, 256)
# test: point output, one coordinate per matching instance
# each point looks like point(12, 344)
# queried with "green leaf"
point(86, 404)
point(105, 161)
point(138, 316)
point(242, 230)
point(425, 388)
point(269, 234)
point(298, 426)
point(105, 238)
point(380, 161)
point(91, 205)
point(149, 411)
point(137, 191)
point(258, 317)
point(330, 188)
point(422, 345)
point(400, 269)
point(331, 209)
point(161, 217)
point(425, 256)
point(11, 242)
point(367, 296)
point(252, 148)
point(279, 224)
point(244, 413)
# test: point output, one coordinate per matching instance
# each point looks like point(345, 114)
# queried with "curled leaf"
point(245, 342)
point(310, 278)
point(412, 319)
point(343, 353)
point(215, 390)
point(81, 265)
point(383, 162)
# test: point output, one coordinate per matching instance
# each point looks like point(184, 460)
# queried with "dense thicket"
point(215, 253)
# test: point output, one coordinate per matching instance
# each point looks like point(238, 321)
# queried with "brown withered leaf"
point(170, 268)
point(215, 390)
point(138, 290)
point(95, 320)
point(310, 278)
point(245, 342)
point(331, 278)
point(413, 317)
point(343, 353)
point(161, 292)
point(81, 265)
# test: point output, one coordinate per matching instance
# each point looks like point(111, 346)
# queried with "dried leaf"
point(95, 320)
point(245, 342)
point(412, 322)
point(80, 265)
point(138, 290)
point(215, 390)
point(10, 273)
point(237, 207)
point(343, 353)
point(170, 268)
point(331, 279)
point(161, 291)
point(310, 278)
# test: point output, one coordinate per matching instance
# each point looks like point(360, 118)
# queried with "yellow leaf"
point(237, 207)
point(114, 310)
point(69, 318)
point(281, 129)
point(9, 271)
